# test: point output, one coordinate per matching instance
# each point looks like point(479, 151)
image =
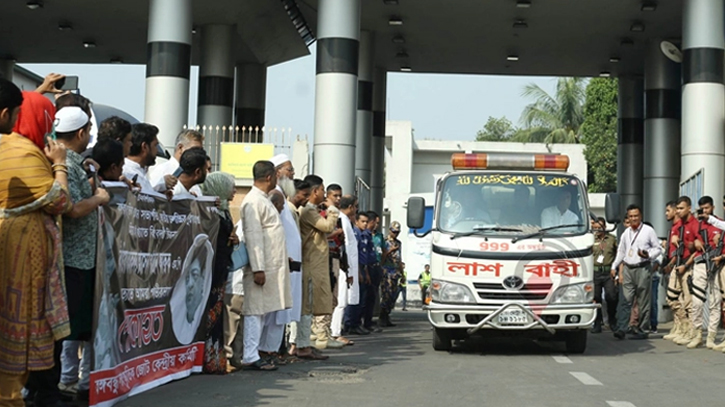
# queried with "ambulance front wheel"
point(442, 339)
point(576, 341)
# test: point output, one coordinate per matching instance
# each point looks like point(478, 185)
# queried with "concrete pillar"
point(7, 69)
point(377, 146)
point(168, 67)
point(251, 95)
point(338, 32)
point(630, 159)
point(661, 135)
point(364, 122)
point(216, 76)
point(703, 95)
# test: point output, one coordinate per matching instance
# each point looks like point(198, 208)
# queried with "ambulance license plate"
point(514, 317)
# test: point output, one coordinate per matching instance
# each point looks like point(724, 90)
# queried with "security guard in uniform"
point(605, 251)
point(687, 231)
point(678, 294)
point(392, 271)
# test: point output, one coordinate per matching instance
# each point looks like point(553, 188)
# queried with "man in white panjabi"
point(559, 214)
point(348, 292)
point(266, 278)
point(293, 240)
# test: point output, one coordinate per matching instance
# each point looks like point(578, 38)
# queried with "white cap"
point(279, 159)
point(70, 119)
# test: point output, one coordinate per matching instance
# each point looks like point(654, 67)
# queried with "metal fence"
point(692, 187)
point(362, 190)
point(281, 137)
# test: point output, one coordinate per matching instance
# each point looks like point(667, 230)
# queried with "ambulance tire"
point(442, 339)
point(576, 341)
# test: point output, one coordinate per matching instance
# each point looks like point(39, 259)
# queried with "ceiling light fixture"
point(193, 30)
point(34, 5)
point(398, 39)
point(512, 58)
point(65, 26)
point(406, 69)
point(649, 6)
point(390, 2)
point(523, 4)
point(637, 27)
point(395, 21)
point(605, 74)
point(614, 60)
point(89, 44)
point(520, 24)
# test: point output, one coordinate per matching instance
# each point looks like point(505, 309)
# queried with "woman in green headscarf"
point(221, 185)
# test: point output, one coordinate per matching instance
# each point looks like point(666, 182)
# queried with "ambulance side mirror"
point(612, 208)
point(416, 212)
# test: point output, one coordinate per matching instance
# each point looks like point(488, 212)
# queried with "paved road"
point(400, 368)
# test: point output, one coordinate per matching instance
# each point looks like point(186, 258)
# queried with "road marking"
point(562, 359)
point(331, 354)
point(620, 404)
point(586, 379)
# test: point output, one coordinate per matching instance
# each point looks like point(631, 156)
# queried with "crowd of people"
point(317, 266)
point(689, 263)
point(317, 288)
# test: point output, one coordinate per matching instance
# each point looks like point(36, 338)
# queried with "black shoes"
point(638, 333)
point(357, 331)
point(619, 334)
point(372, 329)
point(597, 329)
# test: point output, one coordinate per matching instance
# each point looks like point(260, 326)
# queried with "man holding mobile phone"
point(166, 176)
point(637, 247)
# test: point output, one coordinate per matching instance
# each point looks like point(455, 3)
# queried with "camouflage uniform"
point(391, 274)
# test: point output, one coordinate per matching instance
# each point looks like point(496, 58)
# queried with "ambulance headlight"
point(445, 292)
point(582, 293)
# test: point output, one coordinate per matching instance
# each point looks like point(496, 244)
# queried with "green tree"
point(553, 119)
point(599, 134)
point(496, 129)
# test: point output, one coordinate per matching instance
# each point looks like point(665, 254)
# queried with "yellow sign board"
point(239, 158)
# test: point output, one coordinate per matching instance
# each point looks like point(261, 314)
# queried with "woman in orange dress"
point(33, 193)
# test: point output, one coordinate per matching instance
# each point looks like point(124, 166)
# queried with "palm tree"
point(553, 119)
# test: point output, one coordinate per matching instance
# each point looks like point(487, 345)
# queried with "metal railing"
point(362, 190)
point(280, 137)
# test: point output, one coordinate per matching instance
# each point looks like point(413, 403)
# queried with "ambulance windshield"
point(524, 202)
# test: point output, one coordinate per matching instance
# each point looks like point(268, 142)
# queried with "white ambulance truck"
point(511, 250)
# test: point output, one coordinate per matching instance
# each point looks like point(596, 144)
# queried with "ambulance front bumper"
point(512, 316)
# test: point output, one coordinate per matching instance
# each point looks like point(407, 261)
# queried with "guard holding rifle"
point(702, 284)
point(686, 240)
point(714, 278)
point(604, 251)
point(678, 294)
point(699, 282)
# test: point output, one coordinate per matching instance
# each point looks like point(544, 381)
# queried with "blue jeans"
point(404, 291)
point(655, 292)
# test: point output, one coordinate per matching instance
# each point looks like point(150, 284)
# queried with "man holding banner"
point(266, 278)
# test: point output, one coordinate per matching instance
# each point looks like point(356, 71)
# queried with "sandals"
point(314, 355)
point(276, 359)
point(344, 340)
point(260, 365)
